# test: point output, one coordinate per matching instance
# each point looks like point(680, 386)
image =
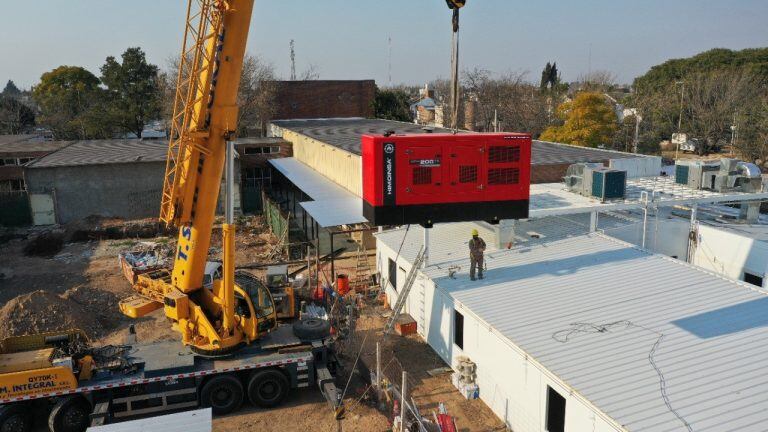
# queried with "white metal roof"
point(550, 199)
point(333, 205)
point(619, 324)
point(188, 421)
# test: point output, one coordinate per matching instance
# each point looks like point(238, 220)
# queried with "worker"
point(476, 250)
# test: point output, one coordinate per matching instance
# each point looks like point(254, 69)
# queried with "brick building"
point(324, 99)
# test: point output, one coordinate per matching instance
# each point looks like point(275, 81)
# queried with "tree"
point(588, 121)
point(713, 99)
point(255, 99)
point(392, 105)
point(15, 117)
point(597, 81)
point(71, 103)
point(550, 77)
point(11, 90)
point(256, 94)
point(133, 91)
point(311, 73)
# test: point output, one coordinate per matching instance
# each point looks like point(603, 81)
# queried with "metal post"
point(403, 399)
point(333, 260)
point(593, 222)
point(691, 232)
point(645, 224)
point(378, 366)
point(455, 72)
point(425, 264)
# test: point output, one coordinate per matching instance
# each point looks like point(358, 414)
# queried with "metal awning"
point(332, 205)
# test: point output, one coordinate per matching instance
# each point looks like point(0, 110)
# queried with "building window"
point(458, 329)
point(555, 411)
point(9, 162)
point(753, 279)
point(392, 273)
point(12, 185)
point(256, 177)
point(262, 150)
point(23, 161)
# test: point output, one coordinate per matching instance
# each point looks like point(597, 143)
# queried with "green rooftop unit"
point(609, 184)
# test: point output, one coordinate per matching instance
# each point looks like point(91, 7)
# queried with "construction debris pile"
point(42, 311)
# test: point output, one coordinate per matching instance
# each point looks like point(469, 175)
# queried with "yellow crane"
point(218, 320)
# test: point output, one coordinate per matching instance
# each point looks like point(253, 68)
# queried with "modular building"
point(575, 331)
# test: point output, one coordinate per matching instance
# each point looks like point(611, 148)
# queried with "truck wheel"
point(70, 414)
point(267, 388)
point(222, 393)
point(311, 329)
point(13, 418)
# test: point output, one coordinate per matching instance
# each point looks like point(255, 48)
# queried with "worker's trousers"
point(475, 263)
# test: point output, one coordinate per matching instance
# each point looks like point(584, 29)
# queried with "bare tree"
point(311, 73)
point(596, 81)
point(255, 97)
point(712, 101)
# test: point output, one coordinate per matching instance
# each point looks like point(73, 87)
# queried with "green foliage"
point(550, 77)
point(11, 90)
point(132, 96)
point(70, 99)
point(392, 105)
point(588, 121)
point(15, 117)
point(753, 60)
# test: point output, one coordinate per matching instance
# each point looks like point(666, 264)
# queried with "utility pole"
point(680, 118)
point(455, 5)
point(293, 62)
point(389, 65)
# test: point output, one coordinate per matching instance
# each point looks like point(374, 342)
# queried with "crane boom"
point(203, 123)
point(205, 117)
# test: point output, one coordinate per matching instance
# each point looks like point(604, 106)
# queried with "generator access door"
point(465, 168)
point(424, 171)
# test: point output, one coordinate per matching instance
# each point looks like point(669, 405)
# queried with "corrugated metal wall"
point(342, 167)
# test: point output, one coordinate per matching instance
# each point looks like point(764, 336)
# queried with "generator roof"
point(99, 152)
point(345, 134)
point(652, 342)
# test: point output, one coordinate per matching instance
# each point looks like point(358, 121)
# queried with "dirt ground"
point(82, 283)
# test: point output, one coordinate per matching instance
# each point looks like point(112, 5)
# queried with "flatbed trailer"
point(164, 377)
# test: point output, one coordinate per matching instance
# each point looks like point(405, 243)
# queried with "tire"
point(267, 388)
point(70, 414)
point(14, 418)
point(311, 329)
point(223, 394)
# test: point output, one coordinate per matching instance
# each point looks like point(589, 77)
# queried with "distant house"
point(18, 150)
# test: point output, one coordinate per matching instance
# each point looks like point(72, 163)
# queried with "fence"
point(15, 209)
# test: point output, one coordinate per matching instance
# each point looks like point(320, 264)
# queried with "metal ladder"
point(362, 279)
point(402, 297)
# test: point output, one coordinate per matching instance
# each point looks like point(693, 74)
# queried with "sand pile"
point(42, 311)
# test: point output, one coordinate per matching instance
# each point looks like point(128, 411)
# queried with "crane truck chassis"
point(149, 379)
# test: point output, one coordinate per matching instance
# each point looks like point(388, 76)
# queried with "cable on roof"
point(563, 336)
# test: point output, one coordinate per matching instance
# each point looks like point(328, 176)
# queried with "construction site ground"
point(80, 285)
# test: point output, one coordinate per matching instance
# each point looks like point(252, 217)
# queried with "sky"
point(348, 39)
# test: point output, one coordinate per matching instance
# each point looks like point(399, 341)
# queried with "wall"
point(342, 167)
point(730, 253)
point(512, 384)
point(115, 190)
point(669, 238)
point(647, 166)
point(324, 99)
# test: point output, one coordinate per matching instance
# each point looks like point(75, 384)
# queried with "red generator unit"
point(432, 178)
